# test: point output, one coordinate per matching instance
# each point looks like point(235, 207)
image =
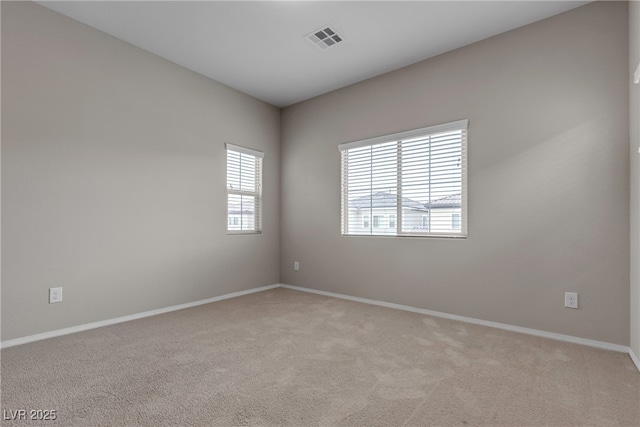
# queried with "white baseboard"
point(528, 331)
point(634, 358)
point(101, 323)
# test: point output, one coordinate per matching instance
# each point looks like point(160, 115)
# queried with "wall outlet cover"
point(571, 300)
point(55, 295)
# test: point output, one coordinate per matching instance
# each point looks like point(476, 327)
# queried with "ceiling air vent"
point(324, 37)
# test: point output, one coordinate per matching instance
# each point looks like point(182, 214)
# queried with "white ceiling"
point(259, 47)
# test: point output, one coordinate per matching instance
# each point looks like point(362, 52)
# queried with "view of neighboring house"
point(240, 215)
point(445, 214)
point(377, 214)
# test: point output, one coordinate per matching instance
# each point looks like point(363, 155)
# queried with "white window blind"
point(244, 189)
point(417, 177)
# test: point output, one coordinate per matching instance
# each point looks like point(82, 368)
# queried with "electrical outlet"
point(571, 300)
point(55, 295)
point(296, 265)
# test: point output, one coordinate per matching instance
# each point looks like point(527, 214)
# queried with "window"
point(244, 189)
point(455, 221)
point(392, 221)
point(425, 222)
point(378, 221)
point(417, 176)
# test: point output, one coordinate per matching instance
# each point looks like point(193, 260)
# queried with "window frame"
point(400, 139)
point(258, 157)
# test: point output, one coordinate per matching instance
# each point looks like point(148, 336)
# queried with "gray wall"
point(548, 180)
point(113, 178)
point(634, 59)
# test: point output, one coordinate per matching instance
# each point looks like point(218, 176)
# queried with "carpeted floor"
point(283, 357)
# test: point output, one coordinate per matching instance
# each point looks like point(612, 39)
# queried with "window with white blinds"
point(244, 189)
point(411, 183)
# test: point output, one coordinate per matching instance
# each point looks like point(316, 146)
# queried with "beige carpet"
point(284, 357)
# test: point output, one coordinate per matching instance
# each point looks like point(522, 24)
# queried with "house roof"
point(238, 209)
point(452, 201)
point(383, 199)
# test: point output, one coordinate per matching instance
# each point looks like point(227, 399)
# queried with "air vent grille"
point(324, 37)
